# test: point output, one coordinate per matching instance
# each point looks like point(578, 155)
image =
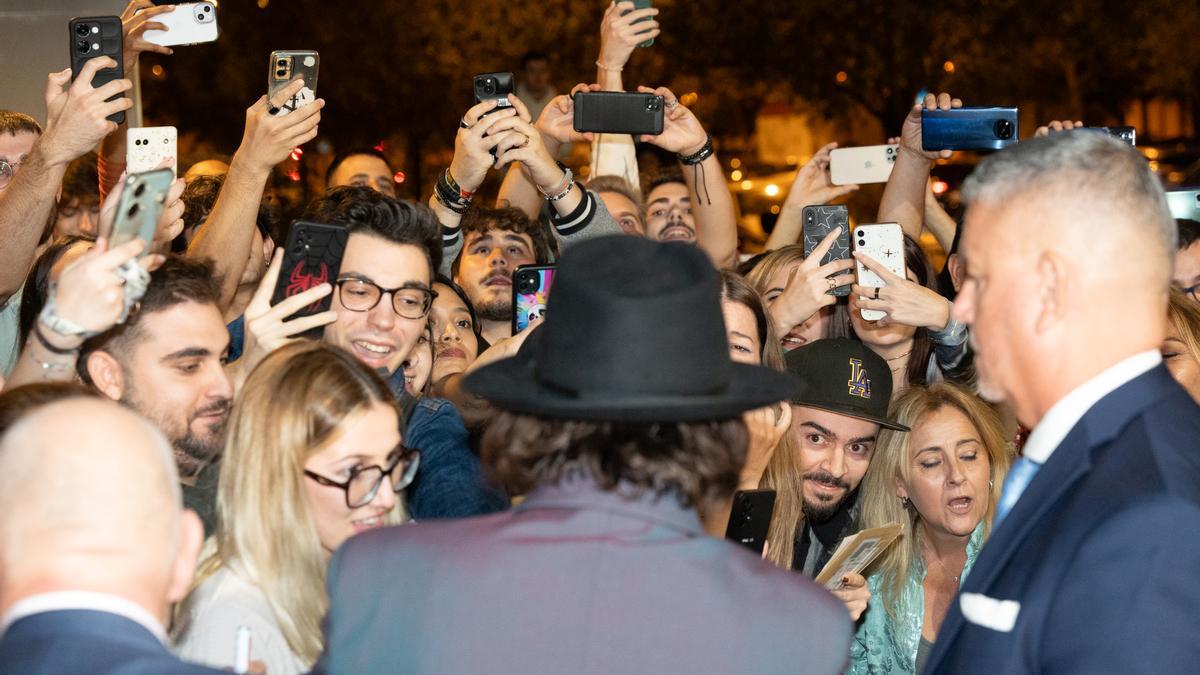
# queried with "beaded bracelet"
point(559, 189)
point(566, 191)
point(700, 155)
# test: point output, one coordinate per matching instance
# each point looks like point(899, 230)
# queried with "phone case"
point(188, 24)
point(884, 242)
point(493, 86)
point(139, 207)
point(531, 290)
point(968, 128)
point(615, 112)
point(642, 4)
point(1184, 203)
point(1127, 134)
point(819, 221)
point(147, 147)
point(750, 518)
point(287, 65)
point(859, 166)
point(312, 256)
point(93, 37)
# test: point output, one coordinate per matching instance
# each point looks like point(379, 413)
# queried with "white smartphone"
point(188, 24)
point(884, 242)
point(147, 147)
point(241, 650)
point(866, 164)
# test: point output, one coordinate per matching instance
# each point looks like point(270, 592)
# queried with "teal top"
point(886, 646)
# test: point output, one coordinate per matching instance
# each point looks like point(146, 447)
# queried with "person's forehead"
point(384, 262)
point(363, 164)
point(447, 299)
point(842, 426)
point(186, 325)
point(618, 204)
point(498, 235)
point(14, 146)
point(668, 192)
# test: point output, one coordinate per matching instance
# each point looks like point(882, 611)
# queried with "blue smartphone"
point(643, 4)
point(968, 128)
point(531, 289)
point(141, 203)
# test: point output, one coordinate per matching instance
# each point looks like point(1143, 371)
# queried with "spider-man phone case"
point(313, 256)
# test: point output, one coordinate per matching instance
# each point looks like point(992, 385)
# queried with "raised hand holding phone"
point(269, 139)
point(624, 28)
point(77, 113)
point(902, 300)
point(682, 132)
point(810, 286)
point(910, 133)
point(140, 22)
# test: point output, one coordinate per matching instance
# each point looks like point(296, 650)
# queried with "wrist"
point(48, 154)
point(939, 318)
point(693, 148)
point(913, 155)
point(465, 179)
point(54, 341)
point(244, 165)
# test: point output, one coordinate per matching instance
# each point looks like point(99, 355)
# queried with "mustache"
point(826, 478)
point(503, 274)
point(220, 407)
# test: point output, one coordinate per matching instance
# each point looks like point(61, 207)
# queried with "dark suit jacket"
point(1102, 550)
point(574, 580)
point(87, 642)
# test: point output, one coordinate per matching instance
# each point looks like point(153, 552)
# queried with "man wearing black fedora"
point(618, 418)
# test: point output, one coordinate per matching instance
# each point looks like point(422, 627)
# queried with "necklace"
point(941, 564)
point(898, 358)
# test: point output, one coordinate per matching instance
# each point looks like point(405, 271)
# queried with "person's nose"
point(385, 496)
point(836, 464)
point(963, 307)
point(450, 333)
point(382, 316)
point(219, 386)
point(497, 258)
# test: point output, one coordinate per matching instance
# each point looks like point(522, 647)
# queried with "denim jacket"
point(886, 646)
point(449, 481)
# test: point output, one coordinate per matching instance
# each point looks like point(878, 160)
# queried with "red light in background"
point(940, 187)
point(294, 176)
point(399, 177)
point(382, 146)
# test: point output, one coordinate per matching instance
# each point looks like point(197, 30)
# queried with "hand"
point(808, 287)
point(557, 120)
point(910, 133)
point(523, 143)
point(906, 302)
point(619, 35)
point(170, 221)
point(473, 145)
point(813, 185)
point(854, 594)
point(269, 139)
point(503, 349)
point(1057, 126)
point(766, 426)
point(89, 292)
point(135, 21)
point(267, 327)
point(76, 112)
point(682, 132)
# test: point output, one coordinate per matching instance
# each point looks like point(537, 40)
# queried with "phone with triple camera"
point(884, 242)
point(312, 256)
point(819, 221)
point(146, 148)
point(642, 4)
point(139, 207)
point(617, 112)
point(93, 37)
point(983, 128)
point(862, 165)
point(531, 290)
point(287, 65)
point(1184, 203)
point(750, 518)
point(190, 23)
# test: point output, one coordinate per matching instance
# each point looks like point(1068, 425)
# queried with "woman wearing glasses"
point(313, 457)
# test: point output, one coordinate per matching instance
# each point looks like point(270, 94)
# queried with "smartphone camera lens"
point(82, 46)
point(653, 104)
point(1004, 129)
point(489, 86)
point(281, 73)
point(862, 242)
point(81, 30)
point(860, 233)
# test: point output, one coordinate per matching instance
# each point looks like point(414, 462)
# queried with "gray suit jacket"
point(574, 580)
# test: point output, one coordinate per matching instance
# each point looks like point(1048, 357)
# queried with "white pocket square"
point(998, 615)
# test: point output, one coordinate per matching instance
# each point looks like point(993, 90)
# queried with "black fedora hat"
point(844, 376)
point(633, 333)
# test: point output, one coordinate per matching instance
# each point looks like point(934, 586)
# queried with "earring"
point(904, 502)
point(991, 482)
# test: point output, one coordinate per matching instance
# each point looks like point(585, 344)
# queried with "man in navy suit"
point(620, 416)
point(1093, 565)
point(94, 545)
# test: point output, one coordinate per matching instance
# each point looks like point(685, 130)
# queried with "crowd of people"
point(401, 483)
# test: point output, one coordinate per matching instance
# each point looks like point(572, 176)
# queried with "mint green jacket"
point(886, 646)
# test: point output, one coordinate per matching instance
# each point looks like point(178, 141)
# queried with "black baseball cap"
point(844, 376)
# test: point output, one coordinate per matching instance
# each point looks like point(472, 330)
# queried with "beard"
point(499, 309)
point(193, 451)
point(821, 511)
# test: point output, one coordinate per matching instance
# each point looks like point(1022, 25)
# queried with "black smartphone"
point(616, 112)
point(531, 289)
point(312, 256)
point(819, 221)
point(991, 128)
point(642, 4)
point(750, 518)
point(494, 87)
point(1184, 203)
point(141, 203)
point(93, 37)
point(286, 65)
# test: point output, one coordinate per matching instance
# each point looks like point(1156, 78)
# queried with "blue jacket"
point(68, 642)
point(1097, 567)
point(449, 481)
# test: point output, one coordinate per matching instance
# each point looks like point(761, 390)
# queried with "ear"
point(191, 540)
point(955, 266)
point(1052, 291)
point(268, 249)
point(901, 492)
point(106, 374)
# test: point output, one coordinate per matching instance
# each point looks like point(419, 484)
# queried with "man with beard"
point(167, 362)
point(835, 422)
point(495, 243)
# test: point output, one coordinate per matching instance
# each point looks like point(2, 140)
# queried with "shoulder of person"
point(227, 603)
point(433, 413)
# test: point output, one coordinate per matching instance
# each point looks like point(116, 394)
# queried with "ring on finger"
point(671, 104)
point(462, 124)
point(876, 293)
point(832, 283)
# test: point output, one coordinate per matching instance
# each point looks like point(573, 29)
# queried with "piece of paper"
point(855, 553)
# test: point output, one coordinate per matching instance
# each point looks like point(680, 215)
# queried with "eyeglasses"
point(360, 295)
point(1193, 292)
point(7, 171)
point(364, 482)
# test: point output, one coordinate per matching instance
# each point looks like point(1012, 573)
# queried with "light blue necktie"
point(1022, 471)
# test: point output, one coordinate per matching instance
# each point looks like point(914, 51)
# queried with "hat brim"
point(850, 411)
point(511, 384)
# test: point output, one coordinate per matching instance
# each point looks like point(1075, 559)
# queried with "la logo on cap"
point(859, 383)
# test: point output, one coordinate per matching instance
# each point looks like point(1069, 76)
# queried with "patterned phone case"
point(93, 37)
point(311, 257)
point(290, 64)
point(147, 147)
point(884, 242)
point(531, 290)
point(819, 221)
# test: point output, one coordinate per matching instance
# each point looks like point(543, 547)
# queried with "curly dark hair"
point(400, 221)
point(200, 196)
point(697, 463)
point(481, 220)
point(81, 183)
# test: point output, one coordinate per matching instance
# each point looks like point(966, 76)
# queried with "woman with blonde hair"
point(940, 482)
point(796, 291)
point(1181, 349)
point(314, 456)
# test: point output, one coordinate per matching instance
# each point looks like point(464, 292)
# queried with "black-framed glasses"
point(364, 482)
point(7, 171)
point(408, 301)
point(1193, 292)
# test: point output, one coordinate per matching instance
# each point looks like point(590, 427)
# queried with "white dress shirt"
point(1064, 415)
point(74, 600)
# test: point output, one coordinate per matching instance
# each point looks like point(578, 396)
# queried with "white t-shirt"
point(224, 602)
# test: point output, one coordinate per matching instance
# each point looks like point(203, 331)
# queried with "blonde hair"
point(776, 261)
point(890, 464)
point(1184, 314)
point(292, 405)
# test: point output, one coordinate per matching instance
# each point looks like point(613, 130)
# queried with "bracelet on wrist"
point(451, 195)
point(610, 69)
point(460, 210)
point(49, 346)
point(559, 188)
point(566, 191)
point(700, 155)
point(464, 193)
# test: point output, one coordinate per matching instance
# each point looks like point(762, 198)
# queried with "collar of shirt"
point(70, 600)
point(1065, 414)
